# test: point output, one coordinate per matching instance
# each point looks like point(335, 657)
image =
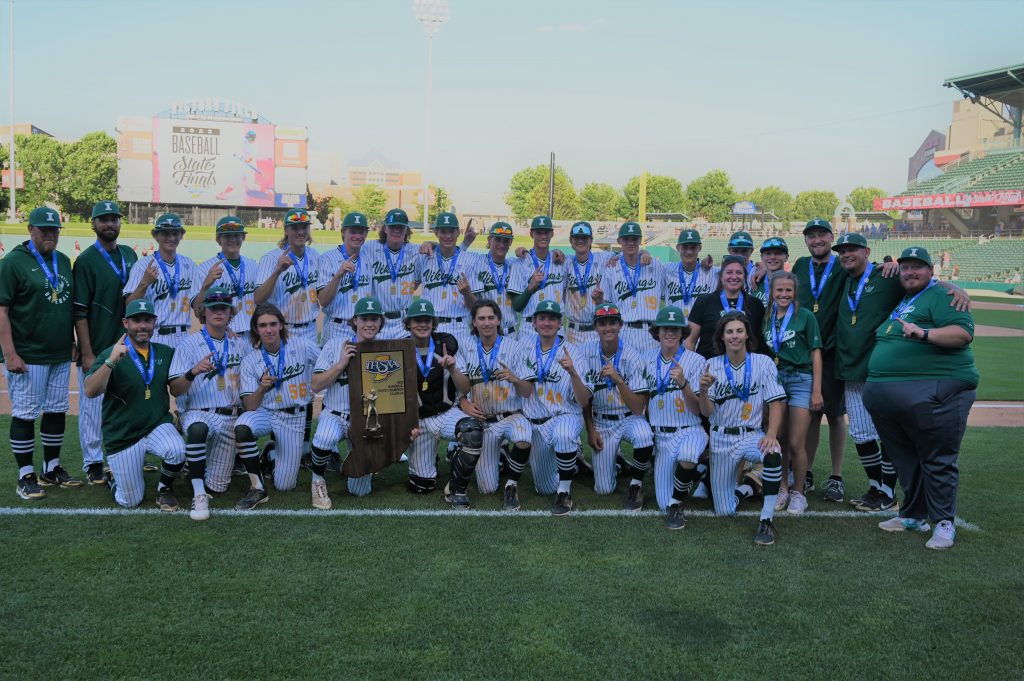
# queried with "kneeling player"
point(734, 388)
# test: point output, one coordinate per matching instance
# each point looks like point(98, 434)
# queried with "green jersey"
point(128, 416)
point(98, 293)
point(39, 312)
point(855, 334)
point(897, 358)
point(830, 289)
point(800, 337)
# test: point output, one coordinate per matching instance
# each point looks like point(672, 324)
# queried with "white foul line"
point(425, 513)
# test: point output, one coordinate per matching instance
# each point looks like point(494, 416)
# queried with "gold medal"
point(888, 328)
point(423, 386)
point(220, 383)
point(542, 296)
point(815, 305)
point(661, 403)
point(634, 303)
point(540, 390)
point(279, 399)
point(747, 409)
point(776, 360)
point(444, 295)
point(853, 319)
point(148, 394)
point(53, 295)
point(355, 297)
point(394, 289)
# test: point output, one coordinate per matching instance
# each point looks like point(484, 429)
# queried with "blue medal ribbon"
point(818, 286)
point(905, 303)
point(741, 392)
point(855, 301)
point(354, 275)
point(51, 276)
point(146, 372)
point(172, 282)
point(547, 266)
point(451, 267)
point(122, 274)
point(544, 365)
point(428, 360)
point(238, 282)
point(582, 281)
point(303, 271)
point(485, 368)
point(687, 288)
point(779, 330)
point(394, 266)
point(220, 362)
point(499, 282)
point(664, 379)
point(270, 367)
point(632, 282)
point(616, 358)
point(725, 302)
point(767, 288)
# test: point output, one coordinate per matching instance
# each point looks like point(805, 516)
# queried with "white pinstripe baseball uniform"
point(440, 277)
point(396, 275)
point(294, 291)
point(743, 417)
point(579, 306)
point(552, 288)
point(636, 291)
point(173, 308)
point(351, 287)
point(678, 434)
point(241, 281)
point(862, 428)
point(283, 409)
point(489, 281)
point(682, 288)
point(42, 389)
point(335, 418)
point(126, 465)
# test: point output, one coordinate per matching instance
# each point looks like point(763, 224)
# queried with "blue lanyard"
point(904, 304)
point(547, 266)
point(767, 289)
point(346, 256)
point(303, 271)
point(582, 281)
point(426, 363)
point(393, 266)
point(270, 366)
point(685, 287)
point(744, 392)
point(122, 274)
point(51, 277)
point(147, 371)
point(725, 302)
point(854, 302)
point(616, 358)
point(219, 361)
point(499, 282)
point(172, 282)
point(451, 267)
point(633, 283)
point(777, 330)
point(544, 365)
point(818, 286)
point(237, 281)
point(485, 368)
point(664, 379)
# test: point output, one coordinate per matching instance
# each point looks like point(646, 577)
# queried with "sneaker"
point(563, 504)
point(306, 462)
point(511, 500)
point(239, 469)
point(879, 502)
point(583, 467)
point(675, 519)
point(943, 536)
point(253, 498)
point(898, 524)
point(782, 500)
point(765, 533)
point(634, 498)
point(448, 495)
point(321, 499)
point(834, 490)
point(460, 501)
point(866, 497)
point(701, 492)
point(797, 503)
point(200, 507)
point(753, 478)
point(809, 482)
point(95, 475)
point(166, 500)
point(622, 466)
point(29, 488)
point(59, 477)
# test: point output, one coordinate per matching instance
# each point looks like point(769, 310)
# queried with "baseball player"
point(166, 279)
point(396, 270)
point(634, 288)
point(344, 277)
point(616, 376)
point(537, 278)
point(741, 245)
point(689, 279)
point(673, 375)
point(231, 270)
point(556, 406)
point(275, 391)
point(727, 297)
point(205, 377)
point(36, 339)
point(331, 374)
point(734, 387)
point(131, 375)
point(100, 272)
point(583, 274)
point(444, 278)
point(774, 254)
point(489, 276)
point(487, 372)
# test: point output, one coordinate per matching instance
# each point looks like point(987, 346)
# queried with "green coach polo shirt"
point(39, 313)
point(98, 294)
point(127, 415)
point(854, 342)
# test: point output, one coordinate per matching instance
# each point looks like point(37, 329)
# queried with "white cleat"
point(200, 507)
point(321, 499)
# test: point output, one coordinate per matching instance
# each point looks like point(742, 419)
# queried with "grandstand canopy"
point(1005, 85)
point(873, 216)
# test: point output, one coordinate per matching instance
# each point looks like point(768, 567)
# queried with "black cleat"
point(675, 519)
point(877, 503)
point(60, 478)
point(765, 533)
point(95, 474)
point(563, 504)
point(511, 500)
point(166, 500)
point(253, 498)
point(634, 498)
point(29, 488)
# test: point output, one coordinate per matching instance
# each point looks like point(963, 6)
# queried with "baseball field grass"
point(521, 596)
point(999, 362)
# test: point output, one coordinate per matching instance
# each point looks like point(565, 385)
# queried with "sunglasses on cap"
point(218, 299)
point(501, 231)
point(230, 225)
point(298, 217)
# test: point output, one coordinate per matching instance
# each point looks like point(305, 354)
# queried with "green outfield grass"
point(517, 597)
point(1011, 319)
point(999, 363)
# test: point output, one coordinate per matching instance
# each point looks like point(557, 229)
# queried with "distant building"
point(22, 129)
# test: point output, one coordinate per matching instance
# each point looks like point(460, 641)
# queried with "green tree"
point(441, 203)
point(863, 198)
point(816, 203)
point(89, 173)
point(370, 200)
point(664, 195)
point(343, 206)
point(712, 196)
point(599, 201)
point(771, 199)
point(527, 194)
point(42, 160)
point(320, 204)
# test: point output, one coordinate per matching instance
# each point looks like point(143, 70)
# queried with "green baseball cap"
point(916, 253)
point(850, 239)
point(774, 242)
point(607, 311)
point(670, 316)
point(44, 217)
point(420, 308)
point(630, 229)
point(818, 223)
point(688, 236)
point(218, 296)
point(502, 230)
point(541, 222)
point(741, 240)
point(101, 208)
point(581, 228)
point(548, 307)
point(230, 224)
point(446, 221)
point(355, 219)
point(141, 306)
point(368, 305)
point(296, 216)
point(396, 217)
point(168, 222)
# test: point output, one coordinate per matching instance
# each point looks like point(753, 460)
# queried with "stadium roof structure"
point(1004, 85)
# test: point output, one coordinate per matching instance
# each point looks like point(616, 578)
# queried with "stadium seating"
point(976, 174)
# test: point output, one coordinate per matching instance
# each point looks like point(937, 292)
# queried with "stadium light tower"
point(430, 13)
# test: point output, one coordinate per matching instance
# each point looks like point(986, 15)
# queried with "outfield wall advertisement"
point(978, 199)
point(211, 163)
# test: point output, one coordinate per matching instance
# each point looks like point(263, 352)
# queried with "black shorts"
point(833, 390)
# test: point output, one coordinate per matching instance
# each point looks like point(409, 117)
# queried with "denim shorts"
point(797, 386)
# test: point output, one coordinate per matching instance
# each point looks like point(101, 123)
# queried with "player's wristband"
point(109, 363)
point(189, 376)
point(925, 337)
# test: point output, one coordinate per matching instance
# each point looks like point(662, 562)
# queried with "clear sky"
point(804, 95)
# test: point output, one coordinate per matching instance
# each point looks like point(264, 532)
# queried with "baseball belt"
point(393, 315)
point(581, 327)
point(637, 325)
point(223, 411)
point(168, 330)
point(738, 430)
point(500, 416)
point(449, 320)
point(612, 417)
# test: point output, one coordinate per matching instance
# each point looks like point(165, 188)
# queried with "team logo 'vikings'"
point(381, 367)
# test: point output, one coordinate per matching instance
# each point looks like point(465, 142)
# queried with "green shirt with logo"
point(39, 313)
point(854, 342)
point(98, 294)
point(897, 358)
point(831, 295)
point(127, 415)
point(798, 340)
